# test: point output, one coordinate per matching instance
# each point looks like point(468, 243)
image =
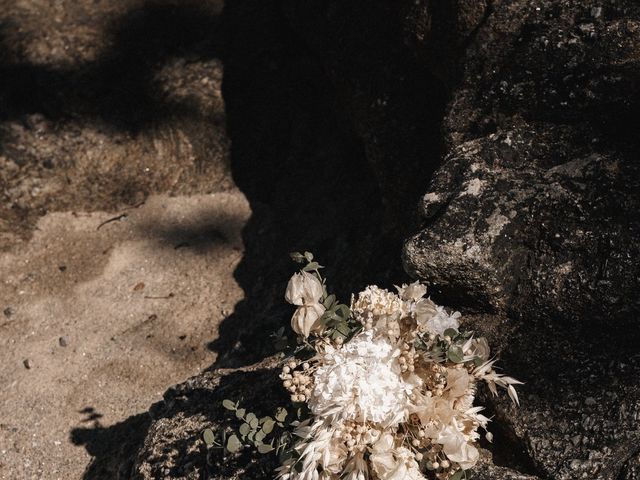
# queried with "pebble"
point(27, 363)
point(63, 341)
point(8, 312)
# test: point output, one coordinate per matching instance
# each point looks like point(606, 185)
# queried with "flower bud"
point(306, 319)
point(303, 289)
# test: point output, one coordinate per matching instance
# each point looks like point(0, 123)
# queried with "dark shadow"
point(118, 89)
point(300, 159)
point(191, 407)
point(112, 448)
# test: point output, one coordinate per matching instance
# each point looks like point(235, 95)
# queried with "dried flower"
point(306, 319)
point(361, 381)
point(303, 289)
point(391, 397)
point(442, 321)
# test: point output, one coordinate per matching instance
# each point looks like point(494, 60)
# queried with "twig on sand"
point(114, 219)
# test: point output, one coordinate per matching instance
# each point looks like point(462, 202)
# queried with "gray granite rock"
point(174, 448)
point(534, 211)
point(534, 215)
point(580, 404)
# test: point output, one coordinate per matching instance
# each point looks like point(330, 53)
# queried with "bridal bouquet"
point(386, 385)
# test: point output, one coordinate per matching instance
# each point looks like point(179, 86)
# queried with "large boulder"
point(533, 215)
point(534, 211)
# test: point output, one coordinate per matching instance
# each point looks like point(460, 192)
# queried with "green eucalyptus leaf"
point(281, 414)
point(267, 427)
point(259, 436)
point(329, 301)
point(229, 405)
point(345, 312)
point(458, 475)
point(450, 332)
point(250, 418)
point(209, 437)
point(245, 429)
point(455, 354)
point(343, 329)
point(234, 444)
point(297, 257)
point(308, 256)
point(264, 448)
point(264, 419)
point(312, 266)
point(240, 413)
point(254, 423)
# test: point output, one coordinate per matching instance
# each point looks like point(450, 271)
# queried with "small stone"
point(8, 312)
point(63, 341)
point(27, 363)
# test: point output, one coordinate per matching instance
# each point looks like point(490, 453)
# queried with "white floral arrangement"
point(387, 385)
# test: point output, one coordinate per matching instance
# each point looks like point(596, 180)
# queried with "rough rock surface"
point(174, 448)
point(534, 210)
point(534, 215)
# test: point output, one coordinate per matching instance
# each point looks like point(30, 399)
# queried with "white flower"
point(306, 319)
point(375, 304)
point(379, 310)
point(456, 447)
point(423, 310)
point(361, 382)
point(442, 321)
point(303, 289)
point(391, 463)
point(414, 291)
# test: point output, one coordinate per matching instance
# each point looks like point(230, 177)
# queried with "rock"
point(533, 215)
point(487, 471)
point(493, 238)
point(534, 212)
point(8, 312)
point(27, 363)
point(631, 470)
point(63, 341)
point(580, 403)
point(174, 448)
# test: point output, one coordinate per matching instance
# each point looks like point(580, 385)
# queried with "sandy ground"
point(104, 106)
point(98, 319)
